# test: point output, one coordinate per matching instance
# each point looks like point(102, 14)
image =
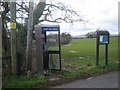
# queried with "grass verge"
point(22, 81)
point(78, 64)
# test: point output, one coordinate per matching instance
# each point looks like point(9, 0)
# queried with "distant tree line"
point(92, 34)
point(52, 39)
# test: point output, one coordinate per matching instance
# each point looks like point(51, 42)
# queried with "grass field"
point(83, 51)
point(87, 47)
point(78, 59)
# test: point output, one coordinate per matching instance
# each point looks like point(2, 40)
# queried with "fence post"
point(0, 51)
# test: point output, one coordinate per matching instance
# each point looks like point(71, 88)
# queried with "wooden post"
point(97, 54)
point(97, 49)
point(39, 50)
point(59, 49)
point(0, 51)
point(106, 55)
point(13, 38)
point(29, 38)
point(0, 39)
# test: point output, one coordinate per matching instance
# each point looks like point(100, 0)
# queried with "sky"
point(101, 14)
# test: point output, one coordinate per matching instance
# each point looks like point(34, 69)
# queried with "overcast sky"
point(100, 14)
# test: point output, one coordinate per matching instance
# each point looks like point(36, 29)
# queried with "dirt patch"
point(73, 51)
point(67, 45)
point(87, 57)
point(54, 78)
point(81, 57)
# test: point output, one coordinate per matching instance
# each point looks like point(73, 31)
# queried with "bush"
point(65, 38)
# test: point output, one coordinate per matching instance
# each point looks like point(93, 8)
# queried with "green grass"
point(86, 49)
point(72, 65)
point(22, 81)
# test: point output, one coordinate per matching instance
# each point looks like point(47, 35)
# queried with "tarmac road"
point(107, 80)
point(0, 78)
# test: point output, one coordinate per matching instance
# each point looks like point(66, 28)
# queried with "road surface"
point(107, 80)
point(0, 78)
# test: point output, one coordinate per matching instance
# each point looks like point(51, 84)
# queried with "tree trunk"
point(29, 38)
point(0, 51)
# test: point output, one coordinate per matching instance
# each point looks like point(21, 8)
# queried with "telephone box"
point(51, 46)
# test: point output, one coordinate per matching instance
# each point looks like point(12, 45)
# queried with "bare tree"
point(58, 12)
point(43, 12)
point(51, 12)
point(5, 41)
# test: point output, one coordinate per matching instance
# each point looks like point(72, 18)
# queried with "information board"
point(103, 39)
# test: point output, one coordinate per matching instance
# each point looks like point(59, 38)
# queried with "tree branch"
point(67, 14)
point(22, 7)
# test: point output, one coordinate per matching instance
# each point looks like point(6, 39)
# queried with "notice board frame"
point(105, 35)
